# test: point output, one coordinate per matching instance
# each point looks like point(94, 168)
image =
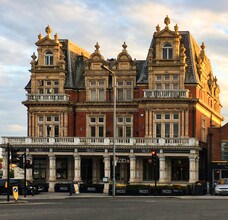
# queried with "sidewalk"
point(49, 195)
point(57, 196)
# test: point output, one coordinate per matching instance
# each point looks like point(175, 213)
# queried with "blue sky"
point(108, 22)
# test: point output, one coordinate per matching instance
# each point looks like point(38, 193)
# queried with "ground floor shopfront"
point(218, 170)
point(92, 164)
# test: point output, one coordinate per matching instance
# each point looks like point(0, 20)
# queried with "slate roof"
point(75, 63)
point(190, 76)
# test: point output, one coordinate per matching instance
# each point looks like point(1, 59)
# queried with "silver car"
point(221, 187)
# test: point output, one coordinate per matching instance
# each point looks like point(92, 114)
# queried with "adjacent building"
point(217, 153)
point(165, 103)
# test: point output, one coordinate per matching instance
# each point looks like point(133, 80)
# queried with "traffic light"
point(14, 157)
point(27, 164)
point(154, 157)
point(20, 163)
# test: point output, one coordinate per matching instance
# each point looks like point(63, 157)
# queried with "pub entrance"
point(86, 170)
point(122, 170)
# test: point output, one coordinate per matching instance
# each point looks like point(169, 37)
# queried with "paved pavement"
point(57, 196)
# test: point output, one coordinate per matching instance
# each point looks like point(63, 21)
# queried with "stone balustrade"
point(149, 93)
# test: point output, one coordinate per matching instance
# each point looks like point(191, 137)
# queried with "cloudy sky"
point(109, 22)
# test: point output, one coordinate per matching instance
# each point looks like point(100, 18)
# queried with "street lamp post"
point(114, 128)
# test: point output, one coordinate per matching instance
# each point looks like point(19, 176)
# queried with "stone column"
point(162, 169)
point(77, 168)
point(29, 171)
point(146, 123)
point(192, 169)
point(106, 172)
point(52, 173)
point(197, 169)
point(150, 123)
point(132, 168)
point(186, 123)
point(4, 164)
point(94, 170)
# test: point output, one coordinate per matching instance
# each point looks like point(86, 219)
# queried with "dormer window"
point(167, 51)
point(48, 58)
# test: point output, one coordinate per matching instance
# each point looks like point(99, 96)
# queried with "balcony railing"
point(45, 97)
point(149, 93)
point(81, 141)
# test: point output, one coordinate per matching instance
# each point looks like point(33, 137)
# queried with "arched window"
point(48, 58)
point(167, 51)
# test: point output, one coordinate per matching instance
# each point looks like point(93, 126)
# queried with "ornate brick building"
point(165, 103)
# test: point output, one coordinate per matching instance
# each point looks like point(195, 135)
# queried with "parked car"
point(30, 187)
point(221, 187)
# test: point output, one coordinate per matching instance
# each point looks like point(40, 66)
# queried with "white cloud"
point(108, 22)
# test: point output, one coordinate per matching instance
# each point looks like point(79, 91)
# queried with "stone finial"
point(48, 30)
point(158, 28)
point(202, 46)
point(176, 28)
point(40, 37)
point(182, 49)
point(56, 38)
point(202, 53)
point(97, 46)
point(167, 21)
point(34, 56)
point(124, 45)
point(33, 61)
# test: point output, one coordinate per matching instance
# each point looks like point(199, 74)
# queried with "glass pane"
point(175, 86)
point(158, 130)
point(56, 130)
point(158, 86)
point(167, 130)
point(120, 94)
point(48, 128)
point(158, 116)
point(40, 118)
point(101, 83)
point(175, 77)
point(92, 131)
point(92, 119)
point(101, 94)
point(128, 83)
point(48, 118)
point(175, 116)
point(40, 130)
point(48, 83)
point(164, 53)
point(175, 130)
point(120, 83)
point(128, 94)
point(167, 77)
point(120, 131)
point(128, 131)
point(101, 131)
point(167, 86)
point(167, 116)
point(92, 83)
point(158, 78)
point(128, 120)
point(170, 52)
point(41, 91)
point(101, 119)
point(56, 118)
point(119, 119)
point(56, 90)
point(93, 95)
point(48, 91)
